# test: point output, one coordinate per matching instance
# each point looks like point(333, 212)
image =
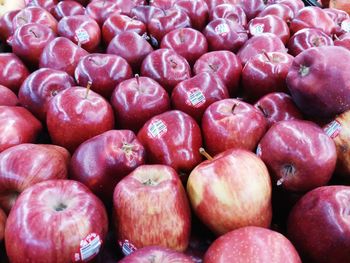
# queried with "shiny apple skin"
point(46, 4)
point(158, 255)
point(343, 41)
point(278, 106)
point(166, 67)
point(178, 146)
point(232, 123)
point(311, 163)
point(144, 13)
point(318, 225)
point(37, 232)
point(197, 10)
point(24, 165)
point(100, 10)
point(234, 13)
point(265, 73)
point(307, 38)
point(213, 3)
point(230, 191)
point(295, 5)
point(73, 118)
point(105, 71)
point(13, 72)
point(17, 126)
point(142, 203)
point(3, 219)
point(340, 4)
point(137, 100)
point(252, 7)
point(132, 47)
point(40, 87)
point(6, 27)
point(337, 15)
point(7, 97)
point(252, 244)
point(209, 86)
point(281, 10)
point(67, 8)
point(225, 64)
point(62, 54)
point(314, 81)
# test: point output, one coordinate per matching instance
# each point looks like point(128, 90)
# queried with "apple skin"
point(313, 81)
point(278, 106)
point(231, 123)
point(67, 8)
point(234, 13)
point(318, 226)
point(137, 100)
point(311, 163)
point(67, 210)
point(337, 15)
point(172, 138)
point(46, 4)
point(162, 4)
point(6, 27)
point(252, 7)
point(142, 203)
point(214, 3)
point(13, 72)
point(230, 191)
point(7, 97)
point(62, 54)
point(144, 13)
point(340, 4)
point(166, 67)
point(112, 155)
point(100, 10)
point(281, 10)
point(40, 87)
point(225, 64)
point(24, 165)
point(8, 6)
point(265, 73)
point(307, 38)
point(17, 126)
point(343, 41)
point(295, 5)
point(105, 71)
point(252, 244)
point(75, 115)
point(3, 219)
point(197, 10)
point(158, 255)
point(210, 89)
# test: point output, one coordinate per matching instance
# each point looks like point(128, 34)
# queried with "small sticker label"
point(82, 36)
point(222, 29)
point(345, 25)
point(89, 248)
point(258, 29)
point(195, 98)
point(333, 129)
point(258, 150)
point(126, 247)
point(157, 129)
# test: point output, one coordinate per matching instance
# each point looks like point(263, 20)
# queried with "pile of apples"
point(163, 131)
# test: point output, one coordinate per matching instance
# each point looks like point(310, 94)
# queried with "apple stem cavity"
point(266, 56)
point(31, 31)
point(288, 171)
point(60, 207)
point(127, 148)
point(203, 152)
point(149, 182)
point(88, 88)
point(263, 111)
point(173, 63)
point(304, 70)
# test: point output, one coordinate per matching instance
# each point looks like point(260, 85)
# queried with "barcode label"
point(258, 29)
point(222, 29)
point(195, 98)
point(89, 247)
point(157, 129)
point(82, 36)
point(127, 247)
point(333, 129)
point(345, 25)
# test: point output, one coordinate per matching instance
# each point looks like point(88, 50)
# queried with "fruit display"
point(174, 131)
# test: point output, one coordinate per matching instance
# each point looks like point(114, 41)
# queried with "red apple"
point(281, 10)
point(100, 10)
point(230, 191)
point(295, 5)
point(67, 8)
point(46, 4)
point(142, 203)
point(340, 4)
point(7, 97)
point(40, 87)
point(231, 12)
point(144, 13)
point(162, 4)
point(11, 5)
point(56, 221)
point(197, 11)
point(3, 219)
point(231, 123)
point(252, 244)
point(214, 3)
point(6, 27)
point(343, 41)
point(337, 15)
point(252, 7)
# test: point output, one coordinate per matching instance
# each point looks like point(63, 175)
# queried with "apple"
point(214, 3)
point(67, 8)
point(172, 138)
point(46, 4)
point(137, 100)
point(343, 41)
point(166, 67)
point(230, 191)
point(3, 219)
point(17, 126)
point(225, 64)
point(6, 27)
point(104, 71)
point(193, 96)
point(77, 114)
point(13, 72)
point(252, 7)
point(187, 42)
point(56, 221)
point(231, 12)
point(310, 164)
point(24, 165)
point(337, 15)
point(265, 73)
point(100, 10)
point(197, 10)
point(40, 87)
point(295, 5)
point(7, 97)
point(278, 106)
point(142, 203)
point(340, 4)
point(11, 5)
point(62, 54)
point(317, 222)
point(313, 81)
point(144, 13)
point(252, 244)
point(281, 10)
point(231, 123)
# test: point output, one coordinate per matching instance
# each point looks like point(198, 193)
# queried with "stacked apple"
point(174, 131)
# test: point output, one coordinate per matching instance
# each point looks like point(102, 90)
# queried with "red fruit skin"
point(252, 7)
point(343, 41)
point(295, 5)
point(105, 71)
point(281, 10)
point(46, 4)
point(3, 219)
point(210, 88)
point(179, 144)
point(137, 100)
point(231, 123)
point(250, 244)
point(197, 10)
point(337, 15)
point(67, 8)
point(317, 222)
point(100, 10)
point(73, 116)
point(27, 164)
point(60, 242)
point(6, 27)
point(234, 13)
point(340, 4)
point(7, 97)
point(40, 87)
point(144, 13)
point(213, 3)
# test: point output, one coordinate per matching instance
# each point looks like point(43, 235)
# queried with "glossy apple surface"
point(46, 4)
point(234, 13)
point(281, 10)
point(144, 13)
point(67, 8)
point(100, 10)
point(6, 27)
point(343, 41)
point(197, 11)
point(252, 7)
point(7, 97)
point(340, 4)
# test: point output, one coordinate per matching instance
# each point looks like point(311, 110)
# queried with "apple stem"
point(336, 37)
point(137, 77)
point(213, 67)
point(88, 88)
point(280, 181)
point(31, 31)
point(173, 63)
point(203, 152)
point(233, 108)
point(266, 55)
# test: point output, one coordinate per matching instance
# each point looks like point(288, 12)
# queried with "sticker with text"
point(222, 29)
point(258, 29)
point(157, 129)
point(89, 248)
point(195, 98)
point(333, 129)
point(82, 36)
point(126, 247)
point(345, 25)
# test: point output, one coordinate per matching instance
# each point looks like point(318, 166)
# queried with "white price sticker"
point(333, 129)
point(345, 25)
point(157, 129)
point(258, 29)
point(195, 98)
point(127, 247)
point(222, 29)
point(82, 36)
point(89, 248)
